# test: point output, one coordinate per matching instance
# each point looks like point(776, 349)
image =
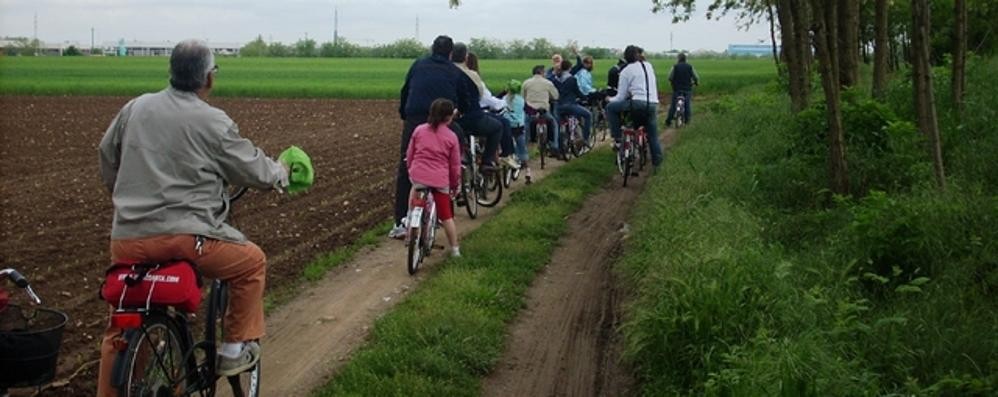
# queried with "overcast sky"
point(606, 23)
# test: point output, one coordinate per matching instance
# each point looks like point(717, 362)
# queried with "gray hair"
point(190, 64)
point(460, 53)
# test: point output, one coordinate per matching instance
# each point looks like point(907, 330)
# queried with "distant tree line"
point(412, 48)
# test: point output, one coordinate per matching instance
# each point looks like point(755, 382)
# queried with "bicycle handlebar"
point(21, 282)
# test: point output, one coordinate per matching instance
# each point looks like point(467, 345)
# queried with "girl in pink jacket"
point(434, 161)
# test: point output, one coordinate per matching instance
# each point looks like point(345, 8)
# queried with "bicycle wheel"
point(415, 249)
point(680, 116)
point(154, 361)
point(430, 230)
point(628, 164)
point(642, 153)
point(575, 141)
point(468, 192)
point(490, 189)
point(508, 176)
point(542, 142)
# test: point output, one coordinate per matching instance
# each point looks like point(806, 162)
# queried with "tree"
point(487, 48)
point(278, 49)
point(341, 49)
point(925, 106)
point(305, 48)
point(255, 48)
point(848, 42)
point(794, 21)
point(824, 29)
point(959, 54)
point(881, 49)
point(72, 51)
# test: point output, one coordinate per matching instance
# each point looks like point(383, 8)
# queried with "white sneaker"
point(246, 359)
point(398, 232)
point(511, 162)
point(455, 252)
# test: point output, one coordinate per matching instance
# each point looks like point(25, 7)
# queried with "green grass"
point(450, 332)
point(738, 293)
point(305, 77)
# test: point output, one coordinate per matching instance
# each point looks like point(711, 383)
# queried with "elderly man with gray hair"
point(167, 160)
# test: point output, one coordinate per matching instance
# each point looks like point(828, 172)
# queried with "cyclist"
point(473, 119)
point(568, 99)
point(517, 119)
point(428, 79)
point(539, 92)
point(613, 76)
point(434, 161)
point(638, 94)
point(167, 159)
point(495, 108)
point(682, 77)
point(555, 68)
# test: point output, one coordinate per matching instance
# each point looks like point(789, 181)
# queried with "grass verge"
point(450, 332)
point(317, 269)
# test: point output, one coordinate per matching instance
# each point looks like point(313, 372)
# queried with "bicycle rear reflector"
point(128, 320)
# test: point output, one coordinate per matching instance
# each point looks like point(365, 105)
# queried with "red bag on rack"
point(175, 283)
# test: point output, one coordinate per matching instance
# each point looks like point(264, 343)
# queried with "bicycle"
point(422, 228)
point(681, 111)
point(571, 139)
point(541, 132)
point(600, 123)
point(29, 339)
point(158, 355)
point(633, 148)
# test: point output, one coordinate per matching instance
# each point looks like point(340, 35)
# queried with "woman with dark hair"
point(496, 107)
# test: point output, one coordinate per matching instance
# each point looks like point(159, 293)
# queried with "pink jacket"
point(434, 157)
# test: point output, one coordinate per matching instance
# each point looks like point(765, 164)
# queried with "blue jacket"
point(430, 78)
point(568, 89)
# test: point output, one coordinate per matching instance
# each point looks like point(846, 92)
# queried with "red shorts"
point(442, 200)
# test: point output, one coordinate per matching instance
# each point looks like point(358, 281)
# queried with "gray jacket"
point(168, 159)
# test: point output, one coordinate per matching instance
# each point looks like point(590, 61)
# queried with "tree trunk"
point(824, 27)
point(848, 41)
point(772, 35)
point(881, 50)
point(796, 51)
point(959, 56)
point(925, 106)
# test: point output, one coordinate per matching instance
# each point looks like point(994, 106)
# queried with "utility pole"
point(671, 46)
point(417, 28)
point(35, 43)
point(336, 26)
point(91, 40)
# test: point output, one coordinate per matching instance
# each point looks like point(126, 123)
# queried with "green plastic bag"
point(301, 173)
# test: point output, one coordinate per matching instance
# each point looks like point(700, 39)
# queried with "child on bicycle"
point(517, 120)
point(434, 161)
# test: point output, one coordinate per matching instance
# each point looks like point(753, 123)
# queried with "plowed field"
point(55, 215)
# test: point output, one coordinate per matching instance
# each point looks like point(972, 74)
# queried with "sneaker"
point(616, 146)
point(455, 252)
point(244, 361)
point(510, 162)
point(398, 232)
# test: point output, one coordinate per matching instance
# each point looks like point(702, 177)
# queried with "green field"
point(308, 77)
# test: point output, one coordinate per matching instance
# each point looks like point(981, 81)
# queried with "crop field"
point(312, 77)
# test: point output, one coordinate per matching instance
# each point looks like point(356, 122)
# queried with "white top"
point(632, 83)
point(490, 102)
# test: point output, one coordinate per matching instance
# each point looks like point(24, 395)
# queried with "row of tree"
point(537, 48)
point(837, 36)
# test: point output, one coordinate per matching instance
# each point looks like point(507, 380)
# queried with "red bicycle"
point(422, 228)
point(633, 151)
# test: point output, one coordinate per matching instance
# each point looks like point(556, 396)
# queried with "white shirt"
point(632, 83)
point(490, 102)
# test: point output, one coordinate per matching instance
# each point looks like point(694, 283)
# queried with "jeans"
point(488, 128)
point(580, 112)
point(506, 136)
point(688, 108)
point(647, 112)
point(552, 126)
point(520, 135)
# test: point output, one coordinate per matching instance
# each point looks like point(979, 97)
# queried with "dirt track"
point(565, 342)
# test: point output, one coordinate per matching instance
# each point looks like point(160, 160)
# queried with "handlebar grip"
point(18, 279)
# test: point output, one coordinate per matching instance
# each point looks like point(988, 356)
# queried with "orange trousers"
point(243, 266)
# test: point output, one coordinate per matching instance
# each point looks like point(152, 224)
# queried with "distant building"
point(759, 50)
point(162, 48)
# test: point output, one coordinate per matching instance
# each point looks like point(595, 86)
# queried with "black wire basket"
point(29, 345)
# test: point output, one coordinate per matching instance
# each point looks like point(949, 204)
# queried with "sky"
point(603, 23)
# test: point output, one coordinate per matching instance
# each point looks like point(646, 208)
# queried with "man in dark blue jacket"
point(569, 95)
point(683, 78)
point(429, 78)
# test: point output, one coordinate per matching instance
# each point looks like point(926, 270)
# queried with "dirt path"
point(565, 342)
point(312, 336)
